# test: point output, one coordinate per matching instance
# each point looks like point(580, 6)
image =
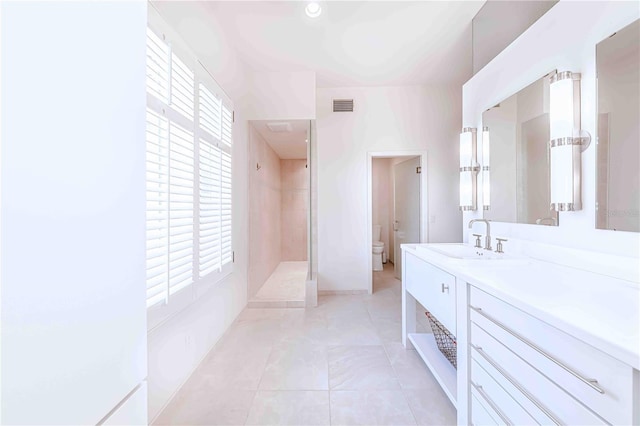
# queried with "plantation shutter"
point(158, 54)
point(157, 176)
point(182, 90)
point(216, 122)
point(189, 204)
point(210, 216)
point(181, 176)
point(210, 112)
point(225, 189)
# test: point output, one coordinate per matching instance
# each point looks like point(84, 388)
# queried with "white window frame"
point(174, 303)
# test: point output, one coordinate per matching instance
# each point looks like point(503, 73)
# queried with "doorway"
point(279, 194)
point(397, 208)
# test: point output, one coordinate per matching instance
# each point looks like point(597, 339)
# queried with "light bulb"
point(313, 9)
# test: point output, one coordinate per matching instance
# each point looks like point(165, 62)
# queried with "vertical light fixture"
point(486, 166)
point(567, 141)
point(468, 169)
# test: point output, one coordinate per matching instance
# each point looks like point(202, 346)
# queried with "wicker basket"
point(444, 339)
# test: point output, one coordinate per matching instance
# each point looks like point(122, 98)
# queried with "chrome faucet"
point(487, 241)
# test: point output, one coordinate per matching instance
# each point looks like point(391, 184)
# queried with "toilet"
point(378, 248)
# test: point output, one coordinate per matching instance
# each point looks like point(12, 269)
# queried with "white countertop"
point(597, 309)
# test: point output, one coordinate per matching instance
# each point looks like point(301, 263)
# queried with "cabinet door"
point(433, 288)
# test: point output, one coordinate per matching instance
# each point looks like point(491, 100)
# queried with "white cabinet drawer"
point(433, 288)
point(552, 400)
point(488, 387)
point(511, 385)
point(479, 414)
point(564, 361)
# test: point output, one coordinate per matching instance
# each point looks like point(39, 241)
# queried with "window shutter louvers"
point(182, 90)
point(189, 196)
point(181, 183)
point(210, 215)
point(158, 54)
point(157, 141)
point(225, 189)
point(210, 112)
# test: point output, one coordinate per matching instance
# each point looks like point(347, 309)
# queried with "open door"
point(406, 208)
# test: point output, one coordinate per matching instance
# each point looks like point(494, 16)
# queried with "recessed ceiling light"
point(313, 9)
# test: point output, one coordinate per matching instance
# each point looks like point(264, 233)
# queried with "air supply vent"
point(343, 105)
point(280, 127)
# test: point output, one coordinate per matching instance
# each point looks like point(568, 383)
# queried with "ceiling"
point(354, 43)
point(288, 145)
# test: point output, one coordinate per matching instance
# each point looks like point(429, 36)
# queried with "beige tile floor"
point(341, 363)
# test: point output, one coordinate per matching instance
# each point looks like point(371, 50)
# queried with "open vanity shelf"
point(441, 368)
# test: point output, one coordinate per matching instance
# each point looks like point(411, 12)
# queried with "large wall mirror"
point(618, 143)
point(518, 129)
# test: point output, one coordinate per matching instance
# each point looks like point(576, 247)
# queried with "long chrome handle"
point(444, 288)
point(492, 404)
point(517, 385)
point(592, 383)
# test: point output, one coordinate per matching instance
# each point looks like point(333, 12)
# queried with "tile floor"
point(341, 363)
point(284, 288)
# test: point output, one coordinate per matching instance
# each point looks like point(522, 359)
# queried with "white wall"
point(558, 40)
point(498, 23)
point(384, 119)
point(282, 95)
point(177, 346)
point(73, 210)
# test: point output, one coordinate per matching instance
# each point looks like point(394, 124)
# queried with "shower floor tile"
point(284, 287)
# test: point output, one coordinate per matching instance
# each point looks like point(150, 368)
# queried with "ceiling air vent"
point(280, 127)
point(343, 105)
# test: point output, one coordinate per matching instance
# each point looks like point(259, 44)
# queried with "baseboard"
point(275, 304)
point(311, 293)
point(340, 292)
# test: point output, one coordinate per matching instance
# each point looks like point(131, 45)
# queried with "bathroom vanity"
point(538, 342)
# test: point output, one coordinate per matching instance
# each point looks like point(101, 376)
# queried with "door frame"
point(424, 202)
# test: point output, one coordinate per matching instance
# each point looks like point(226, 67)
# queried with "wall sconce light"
point(469, 168)
point(568, 141)
point(486, 165)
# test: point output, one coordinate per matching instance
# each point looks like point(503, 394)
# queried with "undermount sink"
point(465, 252)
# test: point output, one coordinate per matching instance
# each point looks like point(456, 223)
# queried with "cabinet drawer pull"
point(517, 385)
point(492, 404)
point(445, 287)
point(592, 383)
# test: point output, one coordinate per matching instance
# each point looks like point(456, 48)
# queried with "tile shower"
point(278, 210)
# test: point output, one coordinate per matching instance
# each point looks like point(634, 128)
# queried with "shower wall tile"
point(264, 211)
point(294, 209)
